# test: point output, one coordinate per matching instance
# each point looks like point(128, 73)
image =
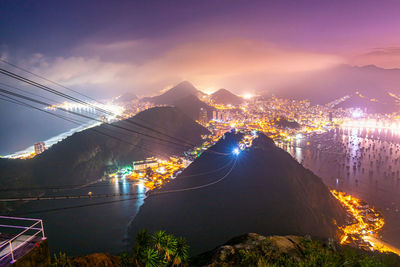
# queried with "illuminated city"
point(199, 133)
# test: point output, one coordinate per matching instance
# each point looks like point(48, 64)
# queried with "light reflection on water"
point(103, 228)
point(378, 184)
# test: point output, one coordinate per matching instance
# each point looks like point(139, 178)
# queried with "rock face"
point(263, 190)
point(84, 156)
point(223, 96)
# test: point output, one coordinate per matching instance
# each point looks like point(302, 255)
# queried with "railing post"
point(12, 253)
point(41, 225)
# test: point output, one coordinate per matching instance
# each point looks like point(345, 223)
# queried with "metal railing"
point(12, 243)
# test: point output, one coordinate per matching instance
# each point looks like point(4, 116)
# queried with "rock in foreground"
point(257, 250)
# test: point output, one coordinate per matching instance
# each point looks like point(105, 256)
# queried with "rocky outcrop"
point(256, 250)
point(96, 260)
point(230, 252)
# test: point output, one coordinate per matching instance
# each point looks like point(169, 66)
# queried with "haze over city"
point(200, 133)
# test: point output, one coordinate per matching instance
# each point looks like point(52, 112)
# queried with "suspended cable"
point(48, 89)
point(88, 117)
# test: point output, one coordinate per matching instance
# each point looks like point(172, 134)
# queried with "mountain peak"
point(185, 84)
point(224, 96)
point(179, 91)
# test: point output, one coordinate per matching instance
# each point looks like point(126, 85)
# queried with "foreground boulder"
point(257, 250)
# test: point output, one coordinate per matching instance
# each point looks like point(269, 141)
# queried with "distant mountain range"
point(267, 191)
point(223, 96)
point(84, 156)
point(379, 88)
point(325, 86)
point(383, 104)
point(186, 97)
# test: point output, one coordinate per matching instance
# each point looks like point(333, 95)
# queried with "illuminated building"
point(103, 119)
point(144, 164)
point(39, 148)
point(203, 117)
point(214, 115)
point(220, 115)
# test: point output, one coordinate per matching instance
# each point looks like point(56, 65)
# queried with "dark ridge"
point(267, 192)
point(84, 156)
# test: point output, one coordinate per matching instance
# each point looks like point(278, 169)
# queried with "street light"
point(236, 151)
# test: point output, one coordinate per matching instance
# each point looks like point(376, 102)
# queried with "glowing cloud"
point(236, 63)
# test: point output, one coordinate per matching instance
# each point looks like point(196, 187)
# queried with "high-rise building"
point(220, 115)
point(39, 148)
point(203, 117)
point(225, 116)
point(215, 115)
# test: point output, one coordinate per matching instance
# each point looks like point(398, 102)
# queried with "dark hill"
point(285, 123)
point(267, 192)
point(181, 90)
point(223, 96)
point(84, 156)
point(191, 105)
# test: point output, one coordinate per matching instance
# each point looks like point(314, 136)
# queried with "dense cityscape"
point(199, 133)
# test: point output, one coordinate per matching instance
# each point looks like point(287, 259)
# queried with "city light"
point(248, 96)
point(236, 151)
point(357, 113)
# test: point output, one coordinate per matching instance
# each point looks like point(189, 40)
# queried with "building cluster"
point(364, 224)
point(39, 147)
point(203, 117)
point(221, 115)
point(144, 164)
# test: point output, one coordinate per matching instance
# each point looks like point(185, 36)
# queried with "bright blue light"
point(236, 151)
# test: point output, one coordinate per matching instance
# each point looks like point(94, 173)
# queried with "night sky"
point(145, 46)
